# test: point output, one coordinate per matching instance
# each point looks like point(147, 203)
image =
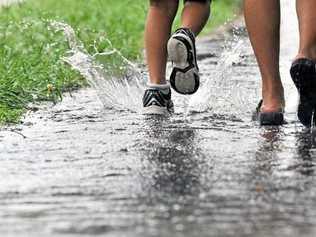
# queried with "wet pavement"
point(79, 169)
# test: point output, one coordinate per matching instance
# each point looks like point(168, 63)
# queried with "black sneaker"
point(157, 101)
point(303, 73)
point(185, 77)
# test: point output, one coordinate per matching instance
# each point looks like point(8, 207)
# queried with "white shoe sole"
point(155, 110)
point(177, 53)
point(183, 79)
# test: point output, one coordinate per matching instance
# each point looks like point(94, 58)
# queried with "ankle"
point(158, 85)
point(157, 81)
point(272, 86)
point(273, 97)
point(272, 103)
point(273, 93)
point(308, 52)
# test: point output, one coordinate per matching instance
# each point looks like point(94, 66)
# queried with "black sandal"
point(303, 73)
point(269, 118)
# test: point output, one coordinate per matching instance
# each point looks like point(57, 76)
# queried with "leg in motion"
point(303, 70)
point(158, 27)
point(306, 12)
point(161, 13)
point(265, 39)
point(181, 47)
point(195, 15)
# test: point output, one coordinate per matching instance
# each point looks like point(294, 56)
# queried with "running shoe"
point(184, 77)
point(303, 73)
point(157, 101)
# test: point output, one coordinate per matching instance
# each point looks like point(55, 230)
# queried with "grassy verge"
point(222, 12)
point(30, 53)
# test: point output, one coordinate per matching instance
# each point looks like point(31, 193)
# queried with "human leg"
point(306, 10)
point(157, 97)
point(158, 27)
point(195, 15)
point(265, 39)
point(303, 70)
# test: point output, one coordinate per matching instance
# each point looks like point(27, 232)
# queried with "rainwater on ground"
point(93, 165)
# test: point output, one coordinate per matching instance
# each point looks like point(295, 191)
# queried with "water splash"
point(219, 93)
point(226, 89)
point(118, 93)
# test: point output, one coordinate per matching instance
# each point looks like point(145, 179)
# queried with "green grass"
point(31, 68)
point(222, 12)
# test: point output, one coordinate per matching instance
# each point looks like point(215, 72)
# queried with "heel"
point(303, 74)
point(177, 52)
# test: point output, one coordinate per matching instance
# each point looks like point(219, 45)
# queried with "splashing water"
point(117, 93)
point(217, 93)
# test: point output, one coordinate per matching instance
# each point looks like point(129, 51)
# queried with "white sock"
point(159, 86)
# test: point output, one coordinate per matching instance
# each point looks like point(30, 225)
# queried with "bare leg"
point(306, 10)
point(263, 24)
point(195, 15)
point(159, 21)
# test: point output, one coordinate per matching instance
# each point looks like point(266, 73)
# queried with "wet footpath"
point(84, 168)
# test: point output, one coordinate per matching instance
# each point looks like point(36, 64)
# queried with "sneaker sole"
point(155, 110)
point(184, 78)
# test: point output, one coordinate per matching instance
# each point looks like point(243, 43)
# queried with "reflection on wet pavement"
point(79, 169)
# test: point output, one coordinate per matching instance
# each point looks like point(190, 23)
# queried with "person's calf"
point(195, 15)
point(307, 28)
point(160, 16)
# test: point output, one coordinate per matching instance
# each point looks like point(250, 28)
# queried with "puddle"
point(93, 165)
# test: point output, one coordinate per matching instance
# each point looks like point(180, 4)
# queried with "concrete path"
point(77, 169)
